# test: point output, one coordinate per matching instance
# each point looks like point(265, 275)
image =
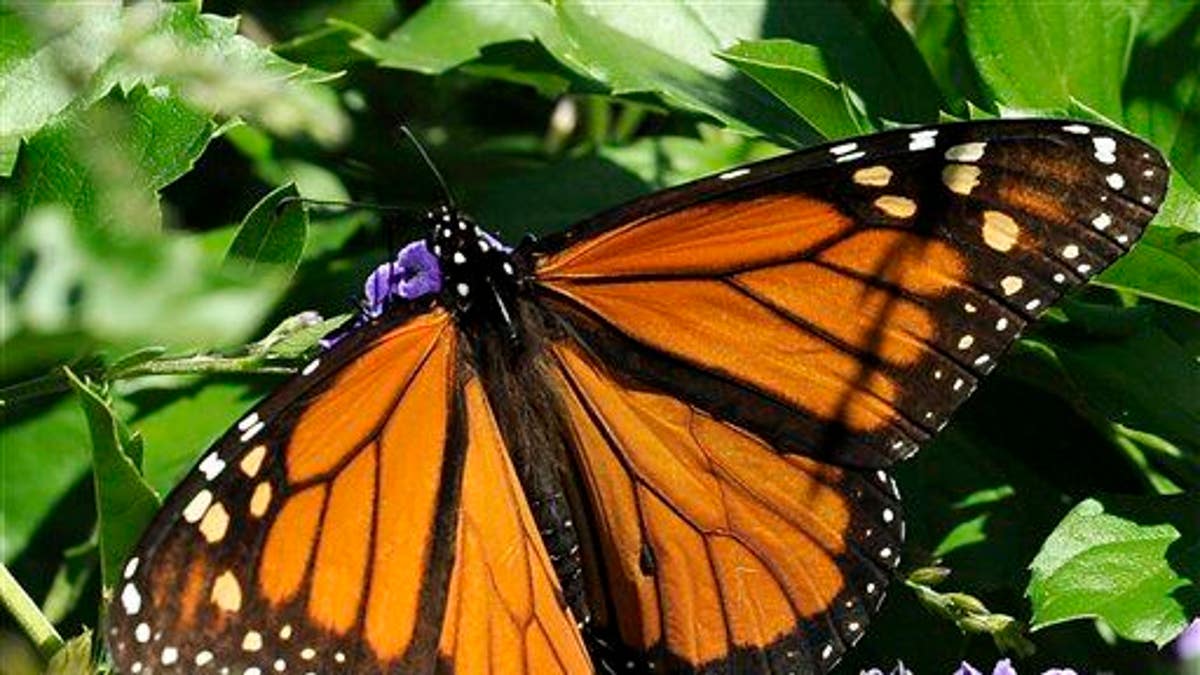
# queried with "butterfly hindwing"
point(843, 301)
point(718, 553)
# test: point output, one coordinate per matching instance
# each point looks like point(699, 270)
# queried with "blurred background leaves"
point(144, 150)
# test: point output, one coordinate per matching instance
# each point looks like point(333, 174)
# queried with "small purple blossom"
point(1005, 667)
point(414, 274)
point(1187, 645)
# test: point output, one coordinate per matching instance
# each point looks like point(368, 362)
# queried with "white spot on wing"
point(131, 600)
point(922, 140)
point(1076, 129)
point(248, 421)
point(311, 367)
point(1105, 147)
point(1102, 221)
point(852, 156)
point(843, 148)
point(1115, 181)
point(252, 431)
point(736, 173)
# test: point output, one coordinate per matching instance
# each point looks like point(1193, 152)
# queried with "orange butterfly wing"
point(719, 551)
point(344, 527)
point(833, 305)
point(843, 301)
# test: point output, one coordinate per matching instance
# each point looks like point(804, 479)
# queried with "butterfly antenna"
point(330, 203)
point(429, 163)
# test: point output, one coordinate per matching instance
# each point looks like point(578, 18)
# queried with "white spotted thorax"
point(477, 269)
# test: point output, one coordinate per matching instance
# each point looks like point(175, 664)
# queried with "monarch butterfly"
point(655, 441)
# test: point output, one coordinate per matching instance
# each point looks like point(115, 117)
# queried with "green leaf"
point(34, 82)
point(125, 503)
point(940, 38)
point(1133, 562)
point(31, 484)
point(75, 658)
point(798, 75)
point(1164, 266)
point(125, 291)
point(444, 35)
point(107, 163)
point(271, 236)
point(669, 50)
point(1142, 376)
point(1040, 55)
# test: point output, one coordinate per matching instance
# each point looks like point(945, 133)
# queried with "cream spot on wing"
point(874, 176)
point(215, 523)
point(227, 592)
point(253, 460)
point(966, 152)
point(1070, 252)
point(260, 500)
point(961, 178)
point(896, 206)
point(252, 642)
point(1115, 181)
point(196, 508)
point(1102, 221)
point(1012, 285)
point(966, 341)
point(1000, 231)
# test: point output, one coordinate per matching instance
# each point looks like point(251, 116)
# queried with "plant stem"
point(28, 616)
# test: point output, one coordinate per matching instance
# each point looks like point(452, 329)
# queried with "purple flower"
point(1187, 645)
point(1005, 667)
point(414, 274)
point(420, 274)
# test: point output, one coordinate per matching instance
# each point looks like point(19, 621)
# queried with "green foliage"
point(1132, 562)
point(137, 144)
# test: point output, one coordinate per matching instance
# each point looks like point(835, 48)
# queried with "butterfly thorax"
point(476, 269)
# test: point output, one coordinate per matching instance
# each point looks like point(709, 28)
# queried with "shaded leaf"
point(1133, 562)
point(272, 235)
point(798, 75)
point(31, 484)
point(125, 503)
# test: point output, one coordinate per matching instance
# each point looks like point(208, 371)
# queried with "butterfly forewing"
point(843, 301)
